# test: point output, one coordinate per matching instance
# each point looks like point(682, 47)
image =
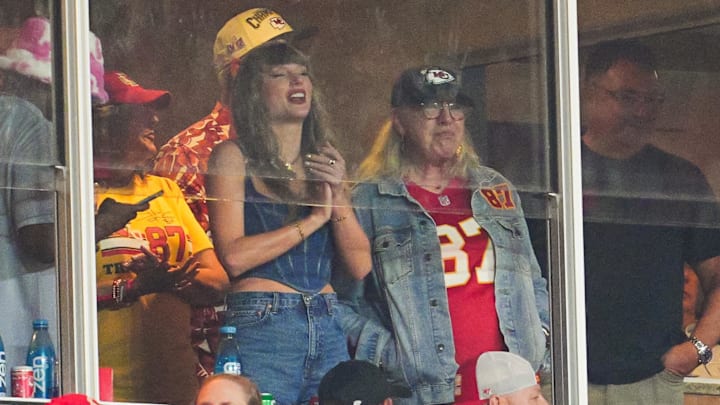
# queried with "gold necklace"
point(290, 165)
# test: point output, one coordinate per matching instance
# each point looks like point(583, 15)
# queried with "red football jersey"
point(469, 264)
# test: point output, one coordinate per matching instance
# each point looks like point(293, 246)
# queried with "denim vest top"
point(305, 267)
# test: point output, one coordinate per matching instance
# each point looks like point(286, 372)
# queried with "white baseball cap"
point(502, 373)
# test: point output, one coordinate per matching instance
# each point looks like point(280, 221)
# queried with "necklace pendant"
point(444, 200)
point(290, 166)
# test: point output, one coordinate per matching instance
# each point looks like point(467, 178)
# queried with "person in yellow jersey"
point(153, 258)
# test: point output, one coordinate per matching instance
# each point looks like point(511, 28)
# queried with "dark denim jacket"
point(398, 316)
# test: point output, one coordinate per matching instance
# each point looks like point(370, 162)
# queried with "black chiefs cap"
point(356, 382)
point(427, 84)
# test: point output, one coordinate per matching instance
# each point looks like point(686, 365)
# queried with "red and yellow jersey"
point(469, 265)
point(148, 343)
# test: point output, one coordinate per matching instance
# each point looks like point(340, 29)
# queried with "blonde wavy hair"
point(388, 157)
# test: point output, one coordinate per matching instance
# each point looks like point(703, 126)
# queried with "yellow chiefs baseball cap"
point(246, 31)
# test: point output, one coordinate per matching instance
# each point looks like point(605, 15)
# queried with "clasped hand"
point(328, 166)
point(155, 274)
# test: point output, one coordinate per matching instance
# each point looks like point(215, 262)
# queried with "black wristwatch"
point(704, 351)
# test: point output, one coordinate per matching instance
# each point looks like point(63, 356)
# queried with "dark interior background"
point(358, 47)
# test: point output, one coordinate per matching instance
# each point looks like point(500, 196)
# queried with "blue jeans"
point(287, 341)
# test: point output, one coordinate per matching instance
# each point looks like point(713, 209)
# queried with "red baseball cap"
point(124, 90)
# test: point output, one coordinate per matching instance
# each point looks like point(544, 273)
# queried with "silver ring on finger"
point(332, 162)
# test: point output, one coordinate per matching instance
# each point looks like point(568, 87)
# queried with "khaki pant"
point(664, 388)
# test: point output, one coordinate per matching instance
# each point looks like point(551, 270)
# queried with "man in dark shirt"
point(646, 214)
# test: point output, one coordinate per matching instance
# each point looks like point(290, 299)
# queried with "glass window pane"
point(651, 215)
point(28, 155)
point(263, 201)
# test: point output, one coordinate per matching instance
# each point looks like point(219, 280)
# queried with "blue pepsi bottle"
point(3, 370)
point(41, 357)
point(227, 360)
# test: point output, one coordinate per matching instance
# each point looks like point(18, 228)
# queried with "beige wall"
point(601, 18)
point(359, 49)
point(362, 45)
point(690, 120)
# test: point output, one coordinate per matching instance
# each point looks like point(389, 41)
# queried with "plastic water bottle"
point(41, 357)
point(228, 353)
point(3, 370)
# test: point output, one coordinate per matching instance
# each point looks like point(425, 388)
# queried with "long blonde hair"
point(389, 158)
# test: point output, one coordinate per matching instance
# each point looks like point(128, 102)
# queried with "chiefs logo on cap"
point(126, 80)
point(437, 76)
point(277, 23)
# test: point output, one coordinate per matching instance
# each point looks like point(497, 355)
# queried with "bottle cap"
point(267, 398)
point(228, 329)
point(40, 323)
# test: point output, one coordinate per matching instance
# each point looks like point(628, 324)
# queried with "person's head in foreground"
point(228, 389)
point(504, 378)
point(356, 382)
point(427, 127)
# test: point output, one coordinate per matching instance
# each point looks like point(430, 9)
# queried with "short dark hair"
point(604, 55)
point(111, 127)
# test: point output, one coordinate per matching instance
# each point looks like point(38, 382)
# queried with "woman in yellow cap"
point(281, 220)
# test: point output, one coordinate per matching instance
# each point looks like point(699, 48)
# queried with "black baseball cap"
point(357, 382)
point(427, 84)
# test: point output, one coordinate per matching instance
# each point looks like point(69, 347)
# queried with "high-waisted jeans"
point(288, 341)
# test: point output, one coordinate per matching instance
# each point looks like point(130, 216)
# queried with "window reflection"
point(357, 50)
point(360, 47)
point(28, 152)
point(651, 216)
